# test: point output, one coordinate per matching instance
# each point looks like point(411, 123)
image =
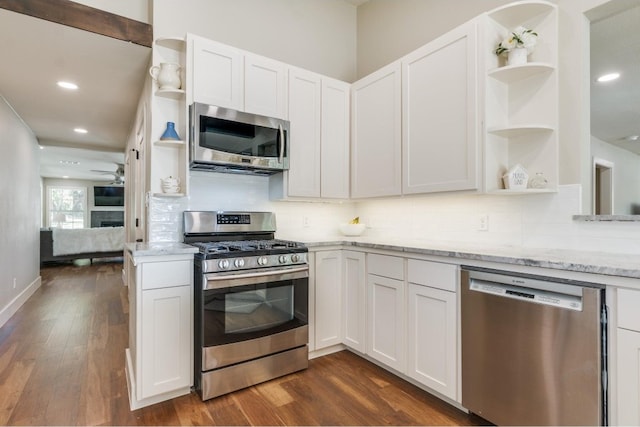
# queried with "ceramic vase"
point(170, 133)
point(167, 75)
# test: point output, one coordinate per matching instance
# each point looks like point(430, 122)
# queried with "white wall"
point(389, 29)
point(318, 35)
point(532, 221)
point(212, 191)
point(19, 209)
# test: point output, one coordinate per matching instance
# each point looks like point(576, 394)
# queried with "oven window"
point(245, 312)
point(255, 310)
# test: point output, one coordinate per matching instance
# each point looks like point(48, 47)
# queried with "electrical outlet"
point(14, 283)
point(305, 221)
point(483, 223)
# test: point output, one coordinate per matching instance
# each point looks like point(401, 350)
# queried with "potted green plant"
point(518, 45)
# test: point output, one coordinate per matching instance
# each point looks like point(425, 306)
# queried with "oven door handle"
point(216, 281)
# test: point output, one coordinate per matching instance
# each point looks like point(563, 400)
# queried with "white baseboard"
point(13, 306)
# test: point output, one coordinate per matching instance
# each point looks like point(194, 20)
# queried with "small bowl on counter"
point(352, 229)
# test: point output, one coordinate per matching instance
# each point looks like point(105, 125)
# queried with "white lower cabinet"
point(354, 299)
point(328, 299)
point(160, 356)
point(628, 377)
point(628, 357)
point(432, 328)
point(431, 331)
point(166, 315)
point(400, 312)
point(386, 318)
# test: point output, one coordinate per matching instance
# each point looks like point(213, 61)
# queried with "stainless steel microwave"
point(225, 140)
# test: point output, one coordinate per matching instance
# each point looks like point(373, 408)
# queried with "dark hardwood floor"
point(62, 363)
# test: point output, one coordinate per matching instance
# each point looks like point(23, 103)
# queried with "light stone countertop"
point(138, 249)
point(609, 264)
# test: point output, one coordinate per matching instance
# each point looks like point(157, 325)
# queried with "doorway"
point(602, 187)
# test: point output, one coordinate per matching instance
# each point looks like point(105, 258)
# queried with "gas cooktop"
point(249, 247)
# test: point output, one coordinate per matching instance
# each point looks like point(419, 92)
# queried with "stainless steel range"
point(251, 301)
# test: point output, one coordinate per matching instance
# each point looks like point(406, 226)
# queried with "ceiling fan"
point(118, 174)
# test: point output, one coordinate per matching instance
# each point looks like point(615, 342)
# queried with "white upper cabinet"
point(334, 156)
point(217, 73)
point(305, 109)
point(440, 114)
point(376, 134)
point(227, 77)
point(265, 86)
point(521, 101)
point(319, 143)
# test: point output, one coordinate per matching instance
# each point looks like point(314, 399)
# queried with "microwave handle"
point(281, 130)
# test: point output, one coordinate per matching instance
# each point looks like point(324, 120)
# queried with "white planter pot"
point(517, 56)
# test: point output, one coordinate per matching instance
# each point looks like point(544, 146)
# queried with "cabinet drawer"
point(166, 274)
point(385, 266)
point(433, 274)
point(628, 313)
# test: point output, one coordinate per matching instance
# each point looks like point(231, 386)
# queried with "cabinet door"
point(440, 114)
point(628, 377)
point(304, 147)
point(334, 160)
point(376, 134)
point(432, 339)
point(217, 74)
point(355, 299)
point(386, 321)
point(328, 274)
point(265, 86)
point(165, 353)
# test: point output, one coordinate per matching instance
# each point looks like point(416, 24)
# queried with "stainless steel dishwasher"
point(533, 349)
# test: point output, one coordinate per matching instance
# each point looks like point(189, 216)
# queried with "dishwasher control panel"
point(571, 302)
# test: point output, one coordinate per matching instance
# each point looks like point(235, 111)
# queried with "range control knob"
point(295, 258)
point(263, 260)
point(223, 264)
point(282, 259)
point(239, 263)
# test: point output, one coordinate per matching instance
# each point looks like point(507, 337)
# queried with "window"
point(66, 206)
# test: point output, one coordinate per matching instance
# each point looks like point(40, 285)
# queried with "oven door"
point(251, 314)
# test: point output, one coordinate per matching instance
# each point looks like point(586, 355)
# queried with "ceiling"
point(110, 74)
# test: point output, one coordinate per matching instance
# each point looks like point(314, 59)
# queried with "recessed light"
point(69, 162)
point(65, 176)
point(80, 130)
point(633, 138)
point(67, 85)
point(608, 77)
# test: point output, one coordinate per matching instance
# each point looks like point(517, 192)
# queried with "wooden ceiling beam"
point(83, 17)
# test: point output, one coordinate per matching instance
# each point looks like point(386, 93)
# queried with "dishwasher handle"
point(530, 295)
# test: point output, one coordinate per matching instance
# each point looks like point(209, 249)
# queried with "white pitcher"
point(167, 75)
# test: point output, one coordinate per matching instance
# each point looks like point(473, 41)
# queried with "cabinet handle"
point(281, 144)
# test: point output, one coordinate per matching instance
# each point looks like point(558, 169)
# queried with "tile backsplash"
point(532, 221)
